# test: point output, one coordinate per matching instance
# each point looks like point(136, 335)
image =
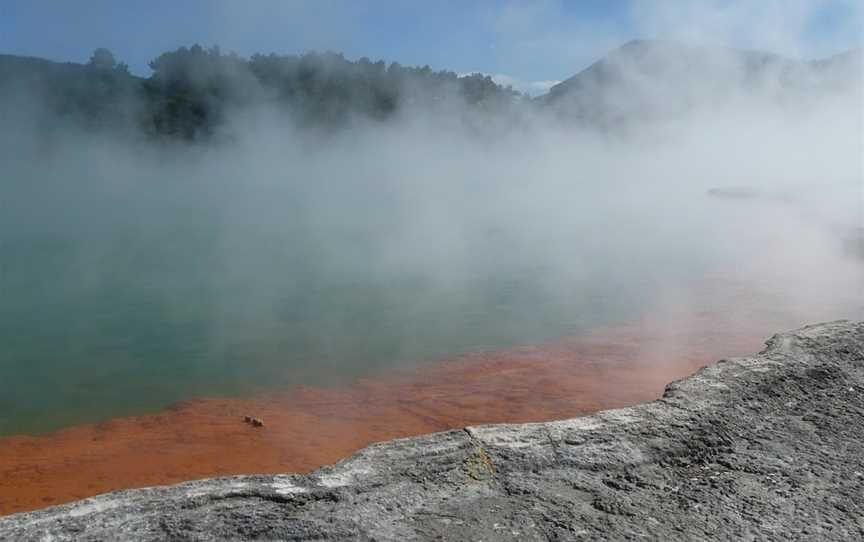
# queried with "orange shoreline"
point(309, 427)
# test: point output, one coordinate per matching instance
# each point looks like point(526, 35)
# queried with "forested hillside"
point(192, 90)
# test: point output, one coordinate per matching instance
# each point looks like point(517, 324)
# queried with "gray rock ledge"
point(768, 447)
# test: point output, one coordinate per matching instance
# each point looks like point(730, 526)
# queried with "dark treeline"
point(193, 90)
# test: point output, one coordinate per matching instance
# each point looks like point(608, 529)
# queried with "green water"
point(121, 294)
point(127, 323)
point(119, 302)
point(125, 290)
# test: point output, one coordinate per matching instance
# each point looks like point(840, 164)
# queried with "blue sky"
point(529, 43)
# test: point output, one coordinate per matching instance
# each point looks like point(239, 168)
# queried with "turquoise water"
point(124, 302)
point(96, 325)
point(124, 289)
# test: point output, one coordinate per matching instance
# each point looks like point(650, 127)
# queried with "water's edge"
point(768, 445)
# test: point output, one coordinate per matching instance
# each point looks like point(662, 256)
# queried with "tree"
point(102, 59)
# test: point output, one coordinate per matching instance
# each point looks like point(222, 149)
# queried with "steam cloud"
point(281, 255)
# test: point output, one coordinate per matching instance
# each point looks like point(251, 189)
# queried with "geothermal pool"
point(163, 326)
point(134, 344)
point(308, 426)
point(159, 329)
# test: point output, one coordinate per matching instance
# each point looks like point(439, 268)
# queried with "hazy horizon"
point(526, 44)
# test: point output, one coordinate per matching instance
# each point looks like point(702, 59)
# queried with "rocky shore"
point(769, 446)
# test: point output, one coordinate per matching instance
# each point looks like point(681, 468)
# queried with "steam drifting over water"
point(138, 272)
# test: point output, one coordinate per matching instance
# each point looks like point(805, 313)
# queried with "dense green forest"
point(193, 89)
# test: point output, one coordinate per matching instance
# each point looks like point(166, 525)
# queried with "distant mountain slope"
point(646, 79)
